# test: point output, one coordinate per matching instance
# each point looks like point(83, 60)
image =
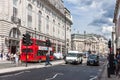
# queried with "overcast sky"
point(92, 16)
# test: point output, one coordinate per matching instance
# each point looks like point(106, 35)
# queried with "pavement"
point(104, 75)
point(7, 67)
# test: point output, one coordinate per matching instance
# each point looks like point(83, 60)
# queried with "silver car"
point(73, 58)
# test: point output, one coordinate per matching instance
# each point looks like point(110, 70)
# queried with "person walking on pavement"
point(16, 58)
point(48, 58)
point(0, 56)
point(118, 63)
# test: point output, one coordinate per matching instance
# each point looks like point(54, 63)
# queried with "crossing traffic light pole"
point(26, 41)
point(26, 54)
point(110, 69)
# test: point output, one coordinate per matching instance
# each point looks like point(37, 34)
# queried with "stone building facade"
point(116, 29)
point(42, 19)
point(89, 42)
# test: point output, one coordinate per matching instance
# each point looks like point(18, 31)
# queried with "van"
point(73, 57)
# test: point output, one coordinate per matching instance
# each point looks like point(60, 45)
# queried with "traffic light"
point(26, 39)
point(109, 44)
point(48, 43)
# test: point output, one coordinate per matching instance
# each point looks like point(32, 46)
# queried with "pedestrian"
point(118, 63)
point(16, 59)
point(48, 58)
point(12, 58)
point(0, 56)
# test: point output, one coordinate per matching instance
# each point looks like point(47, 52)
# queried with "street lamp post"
point(84, 39)
point(65, 34)
point(35, 32)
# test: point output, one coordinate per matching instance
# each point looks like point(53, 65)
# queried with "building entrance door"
point(13, 46)
point(14, 39)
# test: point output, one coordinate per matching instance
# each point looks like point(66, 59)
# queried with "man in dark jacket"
point(48, 58)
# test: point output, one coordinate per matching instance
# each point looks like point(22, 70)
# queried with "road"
point(59, 72)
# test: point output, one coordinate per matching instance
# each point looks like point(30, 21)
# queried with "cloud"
point(87, 2)
point(71, 1)
point(92, 15)
point(99, 22)
point(106, 15)
point(106, 29)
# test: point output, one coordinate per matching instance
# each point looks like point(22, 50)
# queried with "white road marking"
point(14, 74)
point(19, 73)
point(94, 78)
point(27, 71)
point(6, 76)
point(54, 76)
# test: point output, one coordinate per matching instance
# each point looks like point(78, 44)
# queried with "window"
point(58, 32)
point(47, 24)
point(29, 16)
point(40, 43)
point(15, 7)
point(53, 26)
point(27, 50)
point(14, 33)
point(29, 0)
point(15, 2)
point(38, 4)
point(14, 11)
point(39, 20)
point(58, 29)
point(41, 52)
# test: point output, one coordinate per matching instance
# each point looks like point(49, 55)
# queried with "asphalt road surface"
point(59, 72)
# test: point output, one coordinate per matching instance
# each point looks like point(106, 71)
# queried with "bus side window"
point(38, 53)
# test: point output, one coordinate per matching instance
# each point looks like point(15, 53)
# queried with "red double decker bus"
point(36, 52)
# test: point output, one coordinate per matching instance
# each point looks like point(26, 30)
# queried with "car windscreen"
point(92, 57)
point(71, 54)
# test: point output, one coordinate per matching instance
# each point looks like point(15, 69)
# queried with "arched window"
point(47, 24)
point(14, 33)
point(29, 15)
point(39, 20)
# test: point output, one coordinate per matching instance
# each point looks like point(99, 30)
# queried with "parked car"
point(93, 59)
point(58, 55)
point(73, 57)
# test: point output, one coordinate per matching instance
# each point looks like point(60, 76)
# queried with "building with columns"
point(42, 19)
point(89, 42)
point(116, 29)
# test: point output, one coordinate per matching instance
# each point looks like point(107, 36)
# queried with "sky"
point(92, 16)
